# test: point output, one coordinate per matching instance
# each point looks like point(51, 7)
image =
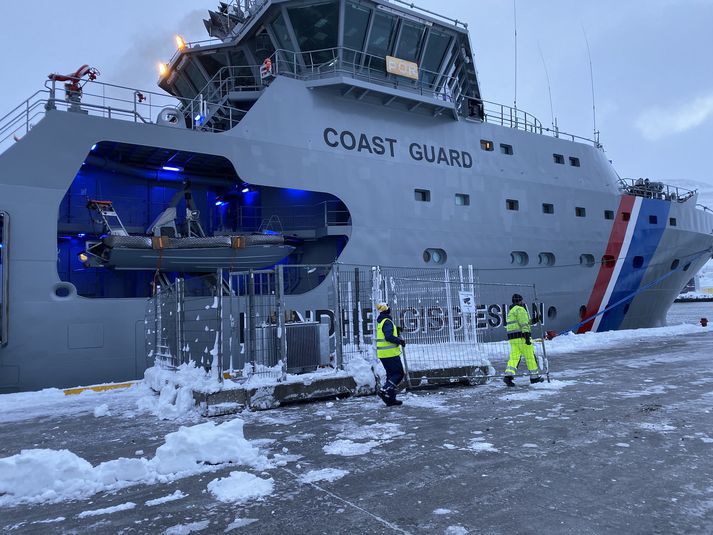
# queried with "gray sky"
point(652, 67)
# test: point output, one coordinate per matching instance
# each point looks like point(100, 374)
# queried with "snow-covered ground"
point(618, 405)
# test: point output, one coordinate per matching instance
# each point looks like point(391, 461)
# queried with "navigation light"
point(83, 257)
point(180, 42)
point(171, 168)
point(81, 235)
point(245, 189)
point(162, 69)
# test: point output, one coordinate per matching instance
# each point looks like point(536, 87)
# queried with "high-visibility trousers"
point(518, 349)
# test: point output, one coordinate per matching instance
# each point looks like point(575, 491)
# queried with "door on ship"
point(4, 231)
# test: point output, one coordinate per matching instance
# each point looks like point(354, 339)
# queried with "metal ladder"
point(109, 218)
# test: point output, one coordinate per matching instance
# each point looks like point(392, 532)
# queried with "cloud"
point(660, 122)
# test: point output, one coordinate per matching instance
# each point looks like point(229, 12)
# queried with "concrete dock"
point(620, 441)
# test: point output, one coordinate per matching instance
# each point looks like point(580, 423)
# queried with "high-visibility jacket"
point(384, 348)
point(518, 322)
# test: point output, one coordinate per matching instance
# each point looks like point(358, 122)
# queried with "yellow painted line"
point(97, 388)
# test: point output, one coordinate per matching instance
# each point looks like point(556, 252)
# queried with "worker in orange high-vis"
point(388, 349)
point(520, 338)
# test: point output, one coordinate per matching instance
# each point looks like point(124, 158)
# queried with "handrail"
point(414, 7)
point(655, 190)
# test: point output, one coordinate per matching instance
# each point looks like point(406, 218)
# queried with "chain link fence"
point(253, 323)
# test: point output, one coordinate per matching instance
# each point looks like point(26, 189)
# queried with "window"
point(675, 264)
point(435, 256)
point(558, 158)
point(672, 221)
point(356, 21)
point(574, 162)
point(4, 232)
point(580, 212)
point(410, 40)
point(625, 216)
point(548, 208)
point(316, 29)
point(512, 204)
point(586, 260)
point(653, 220)
point(638, 262)
point(519, 258)
point(422, 195)
point(506, 149)
point(546, 259)
point(462, 199)
point(438, 43)
point(552, 313)
point(687, 267)
point(608, 261)
point(608, 214)
point(486, 144)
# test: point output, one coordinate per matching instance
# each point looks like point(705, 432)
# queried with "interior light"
point(245, 189)
point(162, 69)
point(171, 168)
point(180, 42)
point(83, 257)
point(81, 235)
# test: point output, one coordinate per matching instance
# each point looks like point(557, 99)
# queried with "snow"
point(456, 530)
point(362, 371)
point(185, 529)
point(537, 390)
point(478, 445)
point(326, 474)
point(442, 512)
point(50, 476)
point(107, 510)
point(240, 487)
point(102, 410)
point(50, 520)
point(239, 523)
point(347, 448)
point(178, 495)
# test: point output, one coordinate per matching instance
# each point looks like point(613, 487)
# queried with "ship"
point(310, 132)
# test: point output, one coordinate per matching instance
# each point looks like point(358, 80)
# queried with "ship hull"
point(292, 138)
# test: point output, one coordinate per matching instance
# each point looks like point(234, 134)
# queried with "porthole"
point(608, 261)
point(546, 259)
point(686, 267)
point(638, 262)
point(519, 258)
point(675, 264)
point(435, 256)
point(552, 313)
point(586, 260)
point(64, 290)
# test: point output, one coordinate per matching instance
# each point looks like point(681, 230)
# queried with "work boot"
point(393, 402)
point(384, 396)
point(534, 380)
point(508, 380)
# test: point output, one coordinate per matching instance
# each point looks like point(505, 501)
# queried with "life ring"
point(267, 65)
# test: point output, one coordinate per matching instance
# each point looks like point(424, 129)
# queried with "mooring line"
point(351, 504)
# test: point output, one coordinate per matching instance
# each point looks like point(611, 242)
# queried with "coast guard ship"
point(309, 132)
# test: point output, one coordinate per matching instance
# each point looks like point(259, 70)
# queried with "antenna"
point(591, 77)
point(514, 11)
point(549, 87)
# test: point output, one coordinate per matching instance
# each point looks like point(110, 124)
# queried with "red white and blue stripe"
point(637, 235)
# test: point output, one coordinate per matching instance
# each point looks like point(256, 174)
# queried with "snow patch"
point(622, 445)
point(186, 529)
point(456, 530)
point(657, 427)
point(107, 510)
point(102, 410)
point(166, 499)
point(539, 390)
point(326, 474)
point(239, 523)
point(478, 445)
point(240, 487)
point(347, 448)
point(442, 512)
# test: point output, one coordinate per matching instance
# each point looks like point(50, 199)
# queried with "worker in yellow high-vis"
point(519, 333)
point(388, 349)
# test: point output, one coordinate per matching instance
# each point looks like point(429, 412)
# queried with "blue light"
point(94, 147)
point(81, 235)
point(199, 119)
point(220, 203)
point(171, 168)
point(245, 190)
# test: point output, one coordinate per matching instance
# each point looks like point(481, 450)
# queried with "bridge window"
point(653, 220)
point(574, 162)
point(512, 204)
point(283, 36)
point(462, 199)
point(548, 208)
point(316, 30)
point(558, 158)
point(356, 22)
point(410, 41)
point(3, 276)
point(433, 57)
point(422, 195)
point(506, 149)
point(381, 40)
point(675, 264)
point(608, 214)
point(672, 221)
point(579, 211)
point(519, 258)
point(638, 262)
point(586, 260)
point(486, 144)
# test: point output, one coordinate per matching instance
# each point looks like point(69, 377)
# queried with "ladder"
point(109, 218)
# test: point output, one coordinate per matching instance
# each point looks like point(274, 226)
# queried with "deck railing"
point(649, 189)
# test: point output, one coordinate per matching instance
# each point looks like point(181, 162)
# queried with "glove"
point(528, 339)
point(402, 342)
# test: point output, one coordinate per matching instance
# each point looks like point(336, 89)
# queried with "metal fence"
point(296, 319)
